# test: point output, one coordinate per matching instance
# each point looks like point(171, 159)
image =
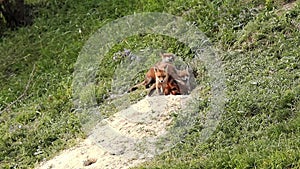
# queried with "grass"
point(259, 47)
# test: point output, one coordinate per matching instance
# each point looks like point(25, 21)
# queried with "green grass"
point(259, 46)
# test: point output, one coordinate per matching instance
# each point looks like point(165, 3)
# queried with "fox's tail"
point(136, 86)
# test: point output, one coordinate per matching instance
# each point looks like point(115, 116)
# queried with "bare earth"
point(123, 140)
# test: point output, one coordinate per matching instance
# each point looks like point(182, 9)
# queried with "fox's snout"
point(161, 81)
point(185, 78)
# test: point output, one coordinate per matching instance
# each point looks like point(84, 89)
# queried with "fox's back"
point(171, 87)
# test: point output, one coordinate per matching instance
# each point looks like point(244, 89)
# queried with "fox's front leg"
point(152, 89)
point(159, 88)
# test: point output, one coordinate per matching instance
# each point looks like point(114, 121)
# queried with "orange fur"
point(165, 84)
point(167, 59)
point(177, 80)
point(172, 87)
point(161, 77)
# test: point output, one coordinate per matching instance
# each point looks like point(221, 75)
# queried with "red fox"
point(150, 78)
point(161, 80)
point(167, 60)
point(165, 84)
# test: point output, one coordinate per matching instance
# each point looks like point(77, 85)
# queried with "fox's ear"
point(155, 69)
point(187, 68)
point(174, 56)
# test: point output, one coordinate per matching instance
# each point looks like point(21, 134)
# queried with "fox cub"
point(165, 78)
point(167, 59)
point(161, 81)
point(165, 83)
point(185, 77)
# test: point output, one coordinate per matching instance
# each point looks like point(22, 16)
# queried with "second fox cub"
point(185, 77)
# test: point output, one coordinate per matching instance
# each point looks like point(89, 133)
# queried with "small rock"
point(89, 161)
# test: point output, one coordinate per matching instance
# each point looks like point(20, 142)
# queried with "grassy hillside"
point(259, 43)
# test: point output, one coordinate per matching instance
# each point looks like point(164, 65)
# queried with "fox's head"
point(161, 75)
point(167, 57)
point(184, 74)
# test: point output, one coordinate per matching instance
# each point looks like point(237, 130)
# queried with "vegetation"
point(259, 43)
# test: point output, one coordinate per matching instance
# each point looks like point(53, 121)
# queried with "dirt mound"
point(125, 139)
